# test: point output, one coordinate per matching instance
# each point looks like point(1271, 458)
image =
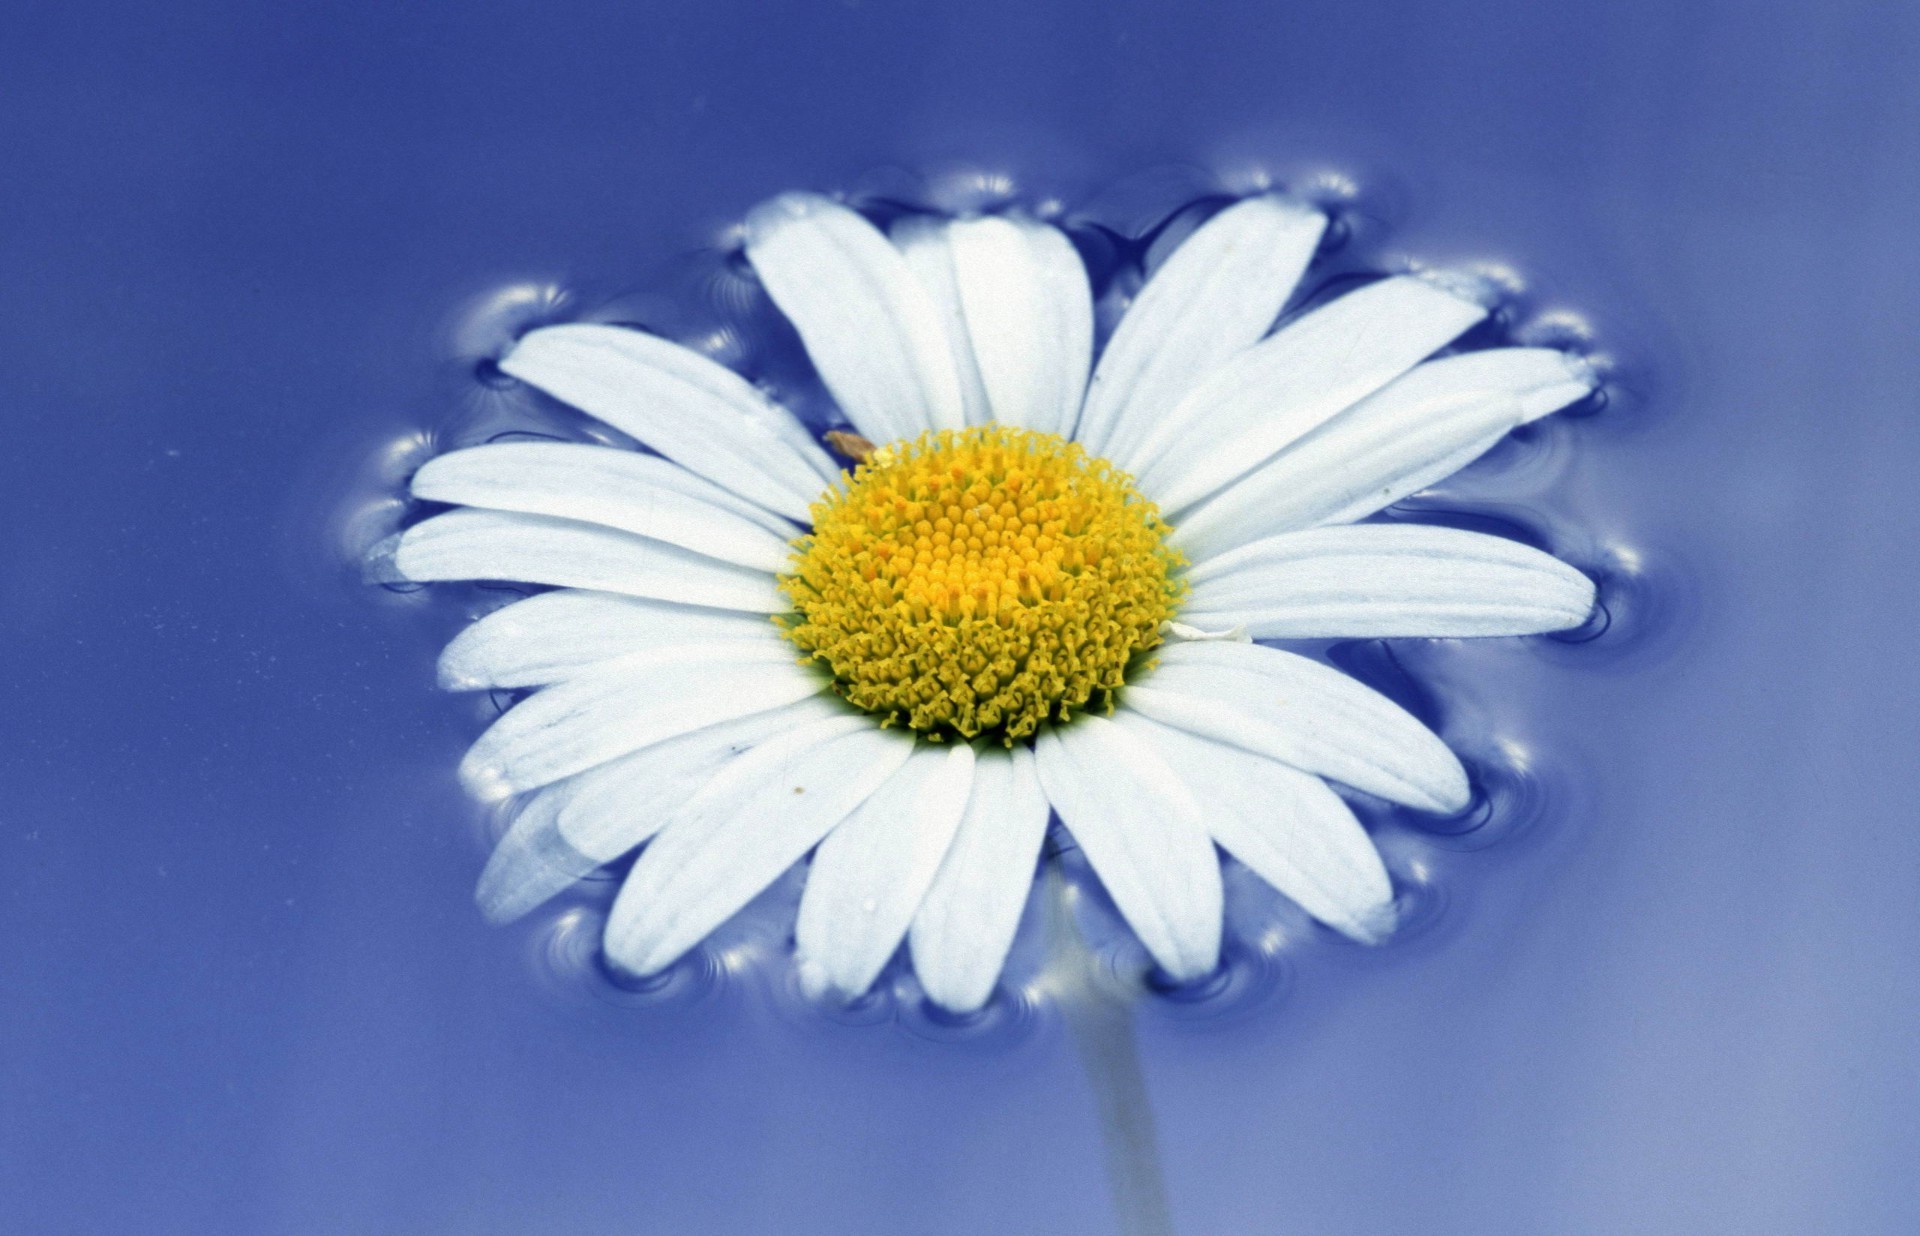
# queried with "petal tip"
point(1478, 290)
point(513, 361)
point(783, 209)
point(486, 781)
point(451, 678)
point(400, 555)
point(1585, 599)
point(1290, 207)
point(1374, 925)
point(1581, 370)
point(1191, 967)
point(496, 904)
point(958, 1001)
point(628, 957)
point(948, 981)
point(381, 563)
point(817, 982)
point(1456, 795)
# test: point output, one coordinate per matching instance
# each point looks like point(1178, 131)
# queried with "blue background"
point(242, 985)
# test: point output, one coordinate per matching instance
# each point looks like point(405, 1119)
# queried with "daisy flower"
point(1036, 593)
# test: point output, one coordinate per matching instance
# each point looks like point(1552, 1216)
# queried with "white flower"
point(977, 589)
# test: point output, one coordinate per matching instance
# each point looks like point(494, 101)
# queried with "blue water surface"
point(246, 256)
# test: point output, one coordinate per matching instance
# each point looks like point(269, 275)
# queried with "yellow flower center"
point(981, 581)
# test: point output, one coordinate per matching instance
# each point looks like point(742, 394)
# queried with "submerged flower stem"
point(1101, 1025)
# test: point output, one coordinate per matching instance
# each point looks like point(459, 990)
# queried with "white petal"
point(1028, 311)
point(742, 830)
point(568, 830)
point(869, 326)
point(531, 863)
point(606, 811)
point(1302, 713)
point(1418, 430)
point(700, 414)
point(967, 922)
point(556, 635)
point(538, 549)
point(923, 240)
point(1142, 832)
point(642, 494)
point(1294, 832)
point(1215, 295)
point(869, 875)
point(1368, 581)
point(1290, 383)
point(644, 698)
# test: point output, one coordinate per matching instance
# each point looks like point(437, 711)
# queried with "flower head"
point(996, 616)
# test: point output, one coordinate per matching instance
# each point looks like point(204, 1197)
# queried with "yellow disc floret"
point(981, 581)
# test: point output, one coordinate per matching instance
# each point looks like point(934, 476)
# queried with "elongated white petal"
point(606, 811)
point(700, 414)
point(869, 326)
point(1213, 296)
point(967, 922)
point(531, 863)
point(1418, 430)
point(870, 874)
point(1366, 581)
point(1302, 713)
point(642, 494)
point(1028, 310)
point(539, 549)
point(1294, 832)
point(742, 830)
point(1290, 383)
point(640, 699)
point(568, 830)
point(1143, 833)
point(926, 244)
point(556, 635)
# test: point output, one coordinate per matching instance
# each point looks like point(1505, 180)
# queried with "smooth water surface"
point(243, 988)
